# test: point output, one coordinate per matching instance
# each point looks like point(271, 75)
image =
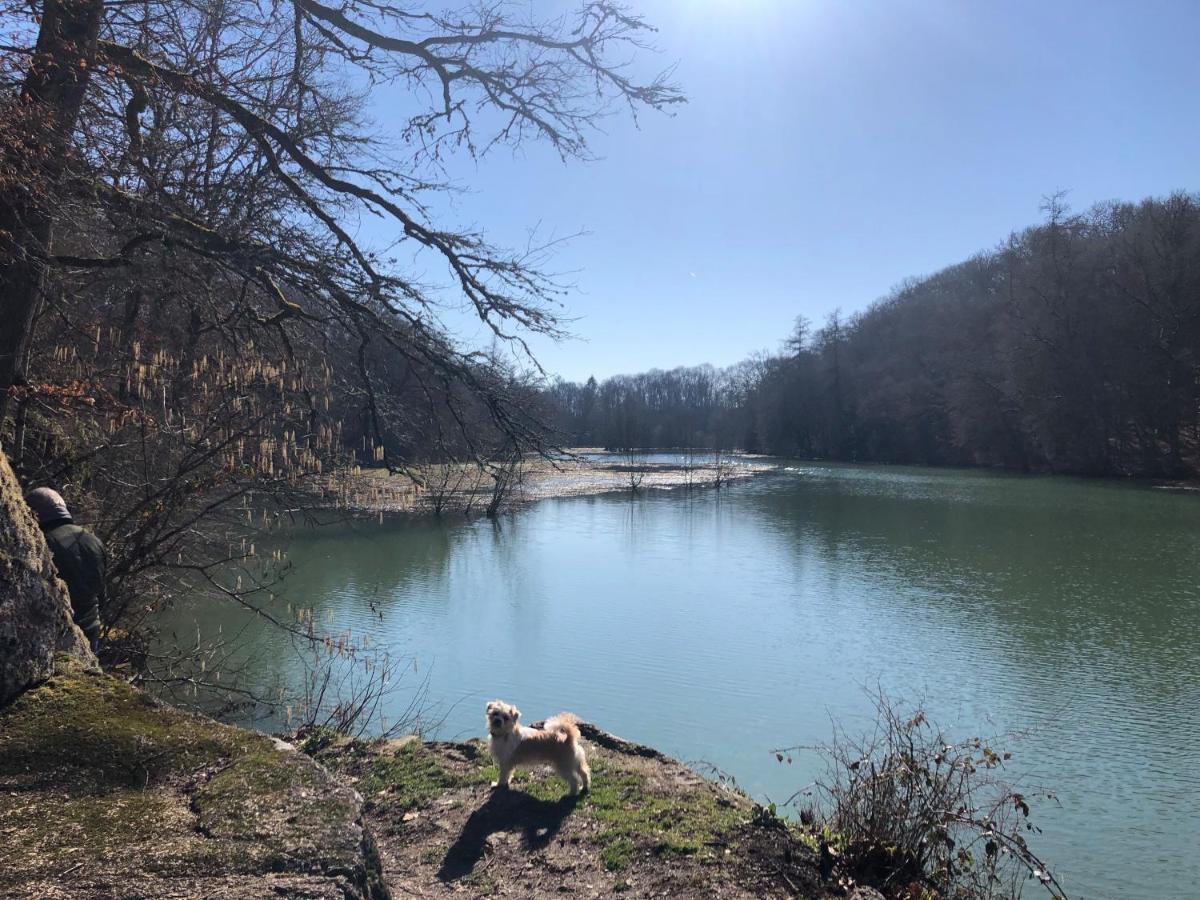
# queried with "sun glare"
point(761, 14)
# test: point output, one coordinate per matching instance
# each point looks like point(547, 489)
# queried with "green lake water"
point(719, 626)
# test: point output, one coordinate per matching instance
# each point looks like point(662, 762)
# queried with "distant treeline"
point(1071, 348)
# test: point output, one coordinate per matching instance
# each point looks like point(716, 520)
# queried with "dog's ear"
point(516, 713)
point(491, 706)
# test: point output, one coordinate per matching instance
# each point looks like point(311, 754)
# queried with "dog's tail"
point(564, 724)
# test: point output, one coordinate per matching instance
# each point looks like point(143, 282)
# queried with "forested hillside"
point(1073, 348)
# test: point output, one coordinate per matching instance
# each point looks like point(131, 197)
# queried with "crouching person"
point(79, 556)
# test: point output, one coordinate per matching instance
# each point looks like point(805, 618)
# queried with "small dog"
point(556, 743)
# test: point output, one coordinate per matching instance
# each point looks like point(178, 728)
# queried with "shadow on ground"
point(505, 811)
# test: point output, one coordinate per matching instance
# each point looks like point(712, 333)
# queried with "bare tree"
point(107, 99)
point(508, 475)
point(181, 192)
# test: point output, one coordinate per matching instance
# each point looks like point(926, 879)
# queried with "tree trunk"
point(38, 143)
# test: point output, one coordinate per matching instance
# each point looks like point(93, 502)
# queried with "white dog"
point(556, 743)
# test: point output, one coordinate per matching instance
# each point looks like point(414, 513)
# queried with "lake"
point(718, 626)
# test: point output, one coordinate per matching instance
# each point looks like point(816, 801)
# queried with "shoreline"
point(464, 487)
point(437, 488)
point(168, 803)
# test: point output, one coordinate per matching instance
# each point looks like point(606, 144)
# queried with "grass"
point(413, 777)
point(481, 885)
point(635, 816)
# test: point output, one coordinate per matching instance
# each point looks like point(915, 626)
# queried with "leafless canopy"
point(224, 267)
point(235, 134)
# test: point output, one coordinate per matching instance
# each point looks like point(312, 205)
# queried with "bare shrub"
point(635, 470)
point(914, 813)
point(347, 692)
point(722, 468)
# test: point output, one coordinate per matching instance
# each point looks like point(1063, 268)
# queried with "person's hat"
point(47, 505)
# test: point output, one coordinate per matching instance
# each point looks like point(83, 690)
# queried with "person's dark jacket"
point(82, 564)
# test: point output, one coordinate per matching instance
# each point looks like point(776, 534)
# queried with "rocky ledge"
point(649, 827)
point(106, 793)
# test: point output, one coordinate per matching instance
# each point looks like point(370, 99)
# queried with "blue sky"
point(831, 149)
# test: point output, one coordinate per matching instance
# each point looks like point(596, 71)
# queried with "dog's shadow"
point(505, 810)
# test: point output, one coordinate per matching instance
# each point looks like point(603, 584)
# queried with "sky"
point(830, 149)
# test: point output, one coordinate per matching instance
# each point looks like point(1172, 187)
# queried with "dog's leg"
point(505, 778)
point(567, 774)
point(581, 764)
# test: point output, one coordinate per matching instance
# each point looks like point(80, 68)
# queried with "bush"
point(915, 814)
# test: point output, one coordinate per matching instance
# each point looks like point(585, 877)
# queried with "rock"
point(35, 611)
point(104, 792)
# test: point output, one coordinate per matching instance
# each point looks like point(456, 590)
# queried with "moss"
point(97, 777)
point(633, 815)
point(284, 805)
point(413, 777)
point(232, 802)
point(318, 739)
point(617, 853)
point(102, 729)
point(98, 825)
point(121, 830)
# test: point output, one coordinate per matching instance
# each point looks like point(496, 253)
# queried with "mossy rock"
point(106, 792)
point(287, 805)
point(35, 611)
point(84, 725)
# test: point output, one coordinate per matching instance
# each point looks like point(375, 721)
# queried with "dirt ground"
point(649, 827)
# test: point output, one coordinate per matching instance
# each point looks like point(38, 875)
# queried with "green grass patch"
point(482, 884)
point(634, 815)
point(617, 853)
point(637, 813)
point(414, 777)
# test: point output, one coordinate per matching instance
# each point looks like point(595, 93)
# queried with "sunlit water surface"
point(718, 627)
